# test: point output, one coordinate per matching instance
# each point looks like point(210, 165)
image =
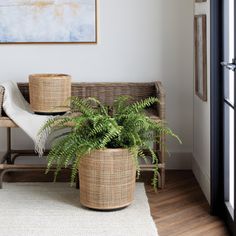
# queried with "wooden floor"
point(179, 209)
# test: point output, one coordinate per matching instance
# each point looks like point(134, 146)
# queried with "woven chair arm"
point(1, 99)
point(161, 95)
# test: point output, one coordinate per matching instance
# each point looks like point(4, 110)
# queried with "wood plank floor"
point(178, 210)
point(181, 208)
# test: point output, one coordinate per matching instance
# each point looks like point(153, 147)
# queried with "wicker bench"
point(106, 93)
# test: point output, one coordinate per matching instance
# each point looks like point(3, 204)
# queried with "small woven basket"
point(107, 179)
point(48, 92)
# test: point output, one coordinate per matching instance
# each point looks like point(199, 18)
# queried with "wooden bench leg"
point(162, 159)
point(77, 182)
point(2, 172)
point(159, 149)
point(7, 156)
point(9, 146)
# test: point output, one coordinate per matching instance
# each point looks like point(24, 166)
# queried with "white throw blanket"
point(18, 109)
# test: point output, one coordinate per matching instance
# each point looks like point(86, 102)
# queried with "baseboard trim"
point(202, 178)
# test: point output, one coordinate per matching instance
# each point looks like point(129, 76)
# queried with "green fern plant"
point(90, 125)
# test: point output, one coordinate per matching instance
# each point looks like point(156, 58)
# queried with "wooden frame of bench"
point(7, 164)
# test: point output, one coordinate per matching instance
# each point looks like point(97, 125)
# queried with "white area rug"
point(53, 209)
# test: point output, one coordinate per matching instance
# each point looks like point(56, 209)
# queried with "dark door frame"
point(217, 136)
point(216, 85)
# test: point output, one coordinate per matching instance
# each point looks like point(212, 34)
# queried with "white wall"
point(139, 40)
point(201, 147)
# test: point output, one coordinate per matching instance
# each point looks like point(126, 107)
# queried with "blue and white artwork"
point(52, 21)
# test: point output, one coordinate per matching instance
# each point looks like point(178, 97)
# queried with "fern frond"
point(90, 125)
point(82, 105)
point(140, 105)
point(120, 103)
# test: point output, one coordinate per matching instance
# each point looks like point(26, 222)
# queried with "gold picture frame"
point(82, 33)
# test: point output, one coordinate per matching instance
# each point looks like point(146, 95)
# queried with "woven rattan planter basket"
point(48, 92)
point(107, 179)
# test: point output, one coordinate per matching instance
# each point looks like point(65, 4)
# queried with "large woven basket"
point(48, 92)
point(107, 179)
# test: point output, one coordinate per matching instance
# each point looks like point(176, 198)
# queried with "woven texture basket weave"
point(107, 179)
point(48, 92)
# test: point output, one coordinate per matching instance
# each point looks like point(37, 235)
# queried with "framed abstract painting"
point(48, 21)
